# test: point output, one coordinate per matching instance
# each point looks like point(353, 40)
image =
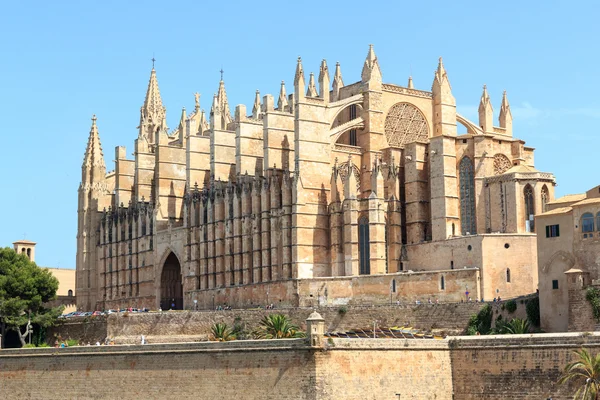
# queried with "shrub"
point(481, 322)
point(72, 342)
point(342, 310)
point(593, 296)
point(221, 332)
point(278, 326)
point(511, 306)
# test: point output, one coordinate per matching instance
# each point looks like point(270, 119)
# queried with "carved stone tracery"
point(343, 173)
point(405, 124)
point(501, 164)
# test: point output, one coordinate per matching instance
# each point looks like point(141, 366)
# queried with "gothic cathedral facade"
point(334, 194)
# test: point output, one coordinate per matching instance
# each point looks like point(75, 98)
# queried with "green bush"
point(532, 307)
point(27, 346)
point(481, 322)
point(342, 310)
point(511, 306)
point(593, 296)
point(72, 342)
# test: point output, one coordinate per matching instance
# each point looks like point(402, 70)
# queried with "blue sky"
point(61, 62)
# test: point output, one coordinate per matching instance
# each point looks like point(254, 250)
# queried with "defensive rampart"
point(485, 367)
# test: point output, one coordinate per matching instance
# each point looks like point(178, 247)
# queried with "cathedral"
point(335, 194)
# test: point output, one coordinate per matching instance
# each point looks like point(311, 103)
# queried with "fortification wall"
point(194, 326)
point(492, 367)
point(515, 366)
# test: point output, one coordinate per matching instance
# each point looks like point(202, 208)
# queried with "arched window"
point(442, 283)
point(529, 207)
point(545, 198)
point(70, 293)
point(467, 197)
point(587, 222)
point(393, 286)
point(508, 275)
point(29, 253)
point(363, 246)
point(598, 221)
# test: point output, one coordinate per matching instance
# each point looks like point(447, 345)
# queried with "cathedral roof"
point(521, 168)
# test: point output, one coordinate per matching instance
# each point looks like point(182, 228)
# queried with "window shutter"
point(547, 230)
point(557, 231)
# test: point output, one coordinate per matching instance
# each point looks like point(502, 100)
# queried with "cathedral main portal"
point(171, 289)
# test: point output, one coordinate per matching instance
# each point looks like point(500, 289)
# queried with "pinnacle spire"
point(223, 103)
point(93, 160)
point(183, 118)
point(371, 67)
point(282, 102)
point(324, 81)
point(153, 106)
point(410, 83)
point(486, 112)
point(299, 72)
point(312, 88)
point(440, 73)
point(256, 109)
point(338, 83)
point(505, 117)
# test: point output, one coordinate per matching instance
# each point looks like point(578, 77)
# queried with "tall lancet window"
point(529, 208)
point(364, 251)
point(467, 197)
point(545, 198)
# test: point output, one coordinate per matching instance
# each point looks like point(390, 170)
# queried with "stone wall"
point(515, 366)
point(85, 330)
point(483, 367)
point(195, 326)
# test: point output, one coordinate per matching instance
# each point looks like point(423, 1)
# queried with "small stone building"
point(569, 258)
point(337, 193)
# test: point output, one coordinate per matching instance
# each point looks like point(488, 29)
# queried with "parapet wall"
point(485, 367)
point(191, 326)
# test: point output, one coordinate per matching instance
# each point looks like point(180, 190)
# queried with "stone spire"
point(299, 81)
point(152, 113)
point(371, 69)
point(223, 104)
point(94, 168)
point(505, 115)
point(338, 83)
point(441, 77)
point(215, 114)
point(312, 88)
point(203, 125)
point(181, 127)
point(486, 112)
point(256, 109)
point(324, 81)
point(410, 83)
point(282, 102)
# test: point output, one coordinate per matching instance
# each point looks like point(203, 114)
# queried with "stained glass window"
point(363, 246)
point(545, 198)
point(529, 206)
point(467, 197)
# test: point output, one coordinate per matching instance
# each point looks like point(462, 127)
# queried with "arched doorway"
point(171, 289)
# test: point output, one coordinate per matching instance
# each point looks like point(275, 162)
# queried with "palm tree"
point(221, 332)
point(516, 326)
point(585, 369)
point(277, 326)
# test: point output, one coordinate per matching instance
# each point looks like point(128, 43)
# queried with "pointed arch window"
point(529, 208)
point(598, 221)
point(545, 198)
point(467, 197)
point(442, 283)
point(508, 275)
point(363, 246)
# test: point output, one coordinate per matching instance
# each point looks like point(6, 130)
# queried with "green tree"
point(584, 371)
point(221, 332)
point(24, 288)
point(277, 326)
